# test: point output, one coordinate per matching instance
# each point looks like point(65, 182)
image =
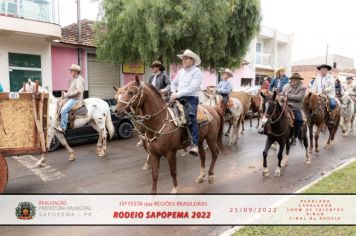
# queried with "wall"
point(62, 58)
point(16, 43)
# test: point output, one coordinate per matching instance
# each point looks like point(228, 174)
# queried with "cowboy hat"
point(74, 67)
point(296, 76)
point(228, 72)
point(156, 64)
point(349, 78)
point(189, 53)
point(324, 66)
point(279, 70)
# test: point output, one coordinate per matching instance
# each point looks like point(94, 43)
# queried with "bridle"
point(139, 119)
point(272, 121)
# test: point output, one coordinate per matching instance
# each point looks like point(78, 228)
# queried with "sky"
point(313, 23)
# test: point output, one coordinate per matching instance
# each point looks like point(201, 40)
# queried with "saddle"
point(229, 103)
point(79, 110)
point(180, 115)
point(291, 117)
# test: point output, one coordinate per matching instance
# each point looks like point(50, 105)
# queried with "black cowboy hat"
point(349, 78)
point(296, 76)
point(324, 66)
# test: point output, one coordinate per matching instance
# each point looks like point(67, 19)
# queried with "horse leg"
point(173, 169)
point(258, 119)
point(243, 124)
point(311, 138)
point(63, 141)
point(305, 142)
point(251, 119)
point(352, 123)
point(103, 142)
point(42, 161)
point(277, 172)
point(316, 137)
point(154, 159)
point(229, 129)
point(202, 155)
point(331, 129)
point(265, 152)
point(147, 164)
point(285, 158)
point(214, 156)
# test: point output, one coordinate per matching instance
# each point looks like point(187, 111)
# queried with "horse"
point(234, 119)
point(163, 137)
point(256, 106)
point(278, 129)
point(315, 107)
point(347, 113)
point(98, 116)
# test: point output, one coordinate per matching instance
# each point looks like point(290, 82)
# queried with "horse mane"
point(313, 101)
point(152, 88)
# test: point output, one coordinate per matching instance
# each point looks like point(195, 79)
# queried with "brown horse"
point(315, 108)
point(256, 106)
point(163, 138)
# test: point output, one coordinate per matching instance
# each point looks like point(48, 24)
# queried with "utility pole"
point(327, 50)
point(79, 32)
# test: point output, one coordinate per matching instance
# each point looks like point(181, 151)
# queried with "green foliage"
point(219, 31)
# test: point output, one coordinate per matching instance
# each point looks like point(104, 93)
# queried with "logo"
point(25, 211)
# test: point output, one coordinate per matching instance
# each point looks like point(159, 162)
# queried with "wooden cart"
point(23, 127)
point(245, 99)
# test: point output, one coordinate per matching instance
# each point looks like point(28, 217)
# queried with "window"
point(23, 67)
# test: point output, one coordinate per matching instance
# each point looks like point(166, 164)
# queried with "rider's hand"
point(174, 97)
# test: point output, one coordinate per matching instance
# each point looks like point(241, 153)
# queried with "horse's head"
point(273, 109)
point(129, 97)
point(345, 100)
point(310, 102)
point(29, 87)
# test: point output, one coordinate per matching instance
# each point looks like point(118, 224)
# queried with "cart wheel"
point(3, 173)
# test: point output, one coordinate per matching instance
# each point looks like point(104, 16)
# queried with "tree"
point(219, 31)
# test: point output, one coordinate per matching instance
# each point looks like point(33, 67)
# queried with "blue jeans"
point(298, 122)
point(191, 104)
point(65, 111)
point(333, 103)
point(225, 97)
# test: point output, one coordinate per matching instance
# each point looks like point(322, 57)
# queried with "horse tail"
point(221, 130)
point(109, 125)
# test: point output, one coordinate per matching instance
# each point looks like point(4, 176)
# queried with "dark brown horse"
point(315, 108)
point(278, 129)
point(163, 138)
point(256, 106)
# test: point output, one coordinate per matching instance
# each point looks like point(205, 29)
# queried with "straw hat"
point(74, 67)
point(279, 70)
point(229, 72)
point(191, 54)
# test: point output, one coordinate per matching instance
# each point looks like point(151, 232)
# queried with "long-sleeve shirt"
point(278, 83)
point(350, 89)
point(325, 85)
point(187, 82)
point(295, 95)
point(225, 86)
point(76, 88)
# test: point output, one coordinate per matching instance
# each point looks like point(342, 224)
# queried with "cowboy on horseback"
point(279, 81)
point(185, 88)
point(349, 87)
point(225, 88)
point(325, 84)
point(294, 92)
point(72, 97)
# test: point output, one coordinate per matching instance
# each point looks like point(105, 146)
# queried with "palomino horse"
point(256, 106)
point(315, 108)
point(278, 129)
point(347, 113)
point(234, 119)
point(98, 116)
point(163, 138)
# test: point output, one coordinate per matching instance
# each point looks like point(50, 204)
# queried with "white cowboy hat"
point(189, 53)
point(229, 72)
point(74, 67)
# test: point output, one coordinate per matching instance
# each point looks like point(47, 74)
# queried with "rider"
point(185, 87)
point(325, 84)
point(225, 87)
point(349, 87)
point(72, 96)
point(279, 81)
point(294, 93)
point(160, 79)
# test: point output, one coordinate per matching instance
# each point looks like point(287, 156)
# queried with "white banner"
point(177, 209)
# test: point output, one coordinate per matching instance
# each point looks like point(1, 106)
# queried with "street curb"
point(349, 162)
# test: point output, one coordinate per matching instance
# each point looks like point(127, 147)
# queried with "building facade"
point(268, 51)
point(27, 29)
point(336, 61)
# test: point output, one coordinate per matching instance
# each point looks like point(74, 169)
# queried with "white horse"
point(234, 118)
point(98, 116)
point(347, 113)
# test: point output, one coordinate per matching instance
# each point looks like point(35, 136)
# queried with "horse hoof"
point(307, 161)
point(40, 164)
point(284, 163)
point(317, 150)
point(227, 134)
point(211, 179)
point(174, 190)
point(146, 166)
point(200, 180)
point(265, 173)
point(277, 173)
point(71, 158)
point(206, 147)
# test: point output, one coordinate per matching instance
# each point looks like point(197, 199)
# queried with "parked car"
point(123, 127)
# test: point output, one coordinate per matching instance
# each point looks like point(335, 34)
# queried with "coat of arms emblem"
point(25, 211)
